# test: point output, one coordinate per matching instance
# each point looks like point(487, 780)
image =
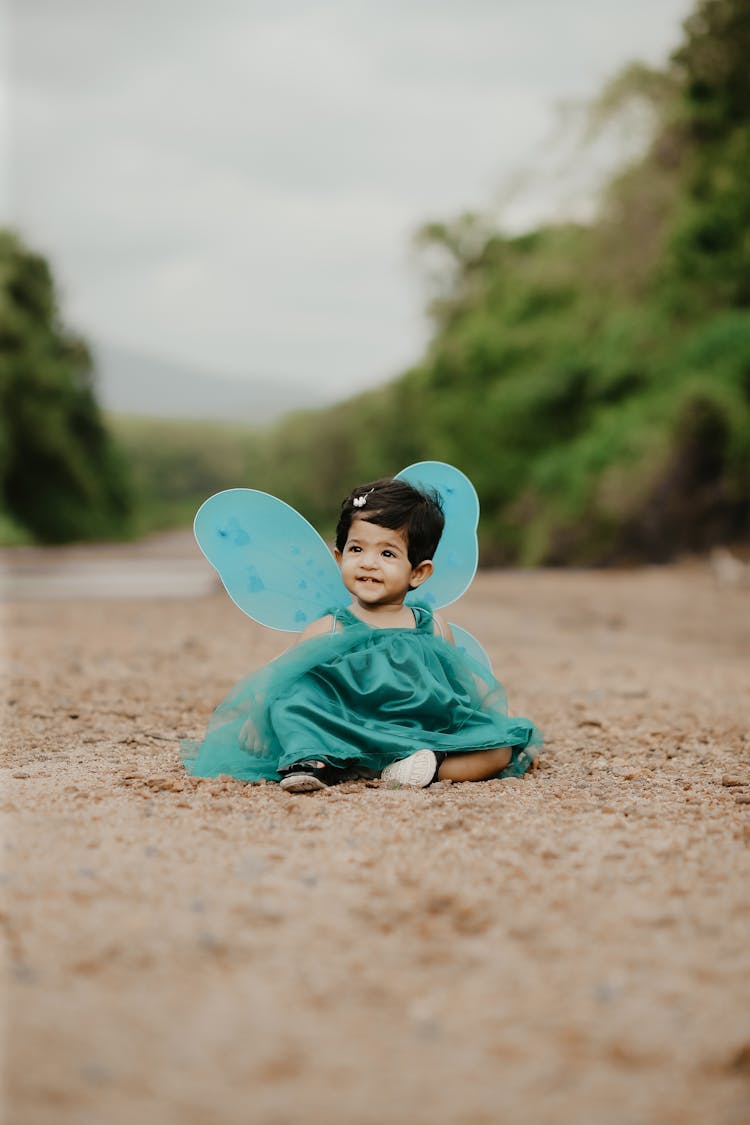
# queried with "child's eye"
point(355, 548)
point(389, 554)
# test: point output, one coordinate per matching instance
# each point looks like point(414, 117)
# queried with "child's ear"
point(421, 573)
point(337, 555)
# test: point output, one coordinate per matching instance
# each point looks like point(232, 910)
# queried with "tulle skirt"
point(360, 699)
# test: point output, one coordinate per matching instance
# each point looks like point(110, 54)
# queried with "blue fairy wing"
point(471, 647)
point(273, 563)
point(458, 552)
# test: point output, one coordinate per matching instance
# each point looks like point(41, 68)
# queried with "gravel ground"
point(573, 946)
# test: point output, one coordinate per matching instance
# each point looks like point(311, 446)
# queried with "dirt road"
point(570, 947)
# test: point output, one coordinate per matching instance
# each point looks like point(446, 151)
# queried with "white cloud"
point(235, 184)
point(4, 106)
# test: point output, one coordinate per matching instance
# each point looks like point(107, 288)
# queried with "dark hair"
point(395, 504)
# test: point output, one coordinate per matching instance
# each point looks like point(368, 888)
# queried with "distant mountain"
point(131, 383)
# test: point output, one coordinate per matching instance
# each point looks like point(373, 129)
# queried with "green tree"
point(593, 380)
point(62, 478)
point(711, 246)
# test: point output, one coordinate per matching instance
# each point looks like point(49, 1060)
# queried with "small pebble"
point(740, 1061)
point(95, 1073)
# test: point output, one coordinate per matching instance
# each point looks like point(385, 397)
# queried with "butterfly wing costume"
point(360, 697)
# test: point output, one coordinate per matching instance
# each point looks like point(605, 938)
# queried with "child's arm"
point(317, 628)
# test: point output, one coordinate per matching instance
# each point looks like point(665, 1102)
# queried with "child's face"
point(375, 565)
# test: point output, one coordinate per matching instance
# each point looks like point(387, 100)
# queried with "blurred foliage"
point(61, 475)
point(176, 464)
point(593, 381)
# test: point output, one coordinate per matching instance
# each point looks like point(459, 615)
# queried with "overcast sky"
point(234, 184)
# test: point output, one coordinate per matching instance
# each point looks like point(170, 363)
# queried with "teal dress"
point(360, 698)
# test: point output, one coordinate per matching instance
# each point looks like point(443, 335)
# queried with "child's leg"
point(476, 765)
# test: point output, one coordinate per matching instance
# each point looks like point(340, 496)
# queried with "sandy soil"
point(570, 947)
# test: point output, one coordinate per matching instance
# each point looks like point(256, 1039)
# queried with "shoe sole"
point(416, 771)
point(302, 783)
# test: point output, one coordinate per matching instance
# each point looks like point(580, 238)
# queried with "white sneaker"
point(418, 770)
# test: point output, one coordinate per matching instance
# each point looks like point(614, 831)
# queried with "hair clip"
point(360, 501)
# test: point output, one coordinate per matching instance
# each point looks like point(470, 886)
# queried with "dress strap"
point(334, 620)
point(439, 624)
point(424, 619)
